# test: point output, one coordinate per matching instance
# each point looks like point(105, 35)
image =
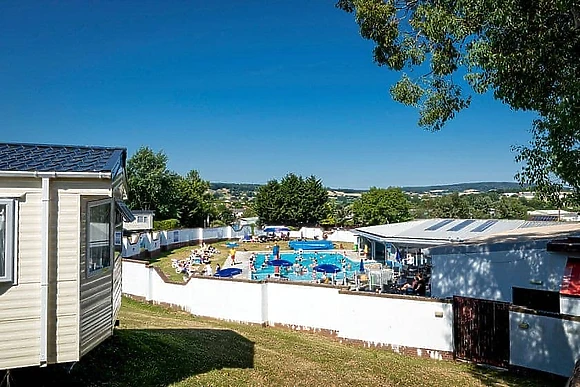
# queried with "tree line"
point(187, 201)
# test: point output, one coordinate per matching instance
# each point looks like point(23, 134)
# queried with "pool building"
point(406, 241)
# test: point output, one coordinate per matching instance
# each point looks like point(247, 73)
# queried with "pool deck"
point(243, 259)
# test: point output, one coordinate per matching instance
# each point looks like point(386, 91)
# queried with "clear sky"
point(241, 91)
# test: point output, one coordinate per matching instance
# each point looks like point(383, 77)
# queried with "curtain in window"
point(571, 279)
point(99, 237)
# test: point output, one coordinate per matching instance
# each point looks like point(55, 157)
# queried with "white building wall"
point(547, 344)
point(491, 275)
point(570, 305)
point(398, 322)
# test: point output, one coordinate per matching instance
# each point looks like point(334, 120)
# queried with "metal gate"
point(481, 331)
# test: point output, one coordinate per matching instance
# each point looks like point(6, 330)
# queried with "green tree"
point(526, 52)
point(380, 206)
point(194, 200)
point(293, 201)
point(151, 185)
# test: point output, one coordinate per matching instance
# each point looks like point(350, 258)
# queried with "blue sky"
point(241, 91)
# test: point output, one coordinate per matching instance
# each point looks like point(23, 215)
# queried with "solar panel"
point(125, 211)
point(484, 226)
point(461, 225)
point(437, 226)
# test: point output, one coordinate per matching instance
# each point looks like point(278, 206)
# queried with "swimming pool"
point(305, 272)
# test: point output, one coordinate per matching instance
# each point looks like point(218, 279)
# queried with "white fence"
point(153, 241)
point(423, 326)
point(370, 319)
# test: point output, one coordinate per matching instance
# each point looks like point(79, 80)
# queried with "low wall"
point(300, 306)
point(544, 343)
point(407, 322)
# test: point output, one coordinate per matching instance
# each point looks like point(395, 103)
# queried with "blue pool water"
point(309, 260)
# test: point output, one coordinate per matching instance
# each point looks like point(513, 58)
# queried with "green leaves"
point(527, 52)
point(293, 201)
point(380, 206)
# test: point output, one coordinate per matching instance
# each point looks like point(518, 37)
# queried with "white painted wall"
point(491, 275)
point(549, 344)
point(294, 305)
point(570, 305)
point(303, 306)
point(226, 299)
point(380, 320)
point(342, 236)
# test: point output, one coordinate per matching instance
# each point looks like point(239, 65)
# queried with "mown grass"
point(160, 347)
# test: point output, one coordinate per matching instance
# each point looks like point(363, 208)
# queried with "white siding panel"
point(29, 243)
point(20, 302)
point(19, 343)
point(67, 339)
point(68, 237)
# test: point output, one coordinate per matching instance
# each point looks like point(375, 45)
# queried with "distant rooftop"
point(434, 232)
point(60, 158)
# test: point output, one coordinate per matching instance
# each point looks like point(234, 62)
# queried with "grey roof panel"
point(60, 158)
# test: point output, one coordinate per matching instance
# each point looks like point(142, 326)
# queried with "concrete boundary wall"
point(312, 307)
point(406, 324)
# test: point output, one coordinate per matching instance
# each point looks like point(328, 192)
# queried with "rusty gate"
point(481, 331)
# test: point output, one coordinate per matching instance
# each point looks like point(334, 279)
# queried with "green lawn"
point(164, 260)
point(160, 347)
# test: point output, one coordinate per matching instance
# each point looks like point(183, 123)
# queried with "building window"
point(547, 301)
point(7, 239)
point(571, 280)
point(145, 219)
point(99, 236)
point(139, 219)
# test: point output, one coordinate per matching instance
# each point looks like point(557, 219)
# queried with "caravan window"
point(7, 239)
point(99, 236)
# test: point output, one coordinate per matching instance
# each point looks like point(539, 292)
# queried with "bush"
point(167, 224)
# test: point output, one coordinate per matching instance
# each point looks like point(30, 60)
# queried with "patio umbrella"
point(361, 268)
point(276, 229)
point(327, 268)
point(279, 262)
point(229, 272)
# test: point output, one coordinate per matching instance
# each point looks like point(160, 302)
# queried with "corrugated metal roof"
point(441, 231)
point(60, 158)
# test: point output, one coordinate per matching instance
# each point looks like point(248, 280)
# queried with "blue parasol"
point(279, 262)
point(276, 229)
point(327, 268)
point(229, 272)
point(361, 268)
point(398, 256)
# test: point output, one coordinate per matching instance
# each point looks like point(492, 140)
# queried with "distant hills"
point(480, 186)
point(459, 187)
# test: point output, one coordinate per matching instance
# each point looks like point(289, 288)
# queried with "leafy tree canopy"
point(380, 206)
point(294, 201)
point(151, 184)
point(527, 52)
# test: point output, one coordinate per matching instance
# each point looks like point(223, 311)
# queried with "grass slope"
point(159, 347)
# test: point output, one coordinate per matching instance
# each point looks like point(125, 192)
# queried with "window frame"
point(92, 204)
point(11, 239)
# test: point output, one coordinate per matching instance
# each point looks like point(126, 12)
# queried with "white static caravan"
point(60, 250)
point(515, 266)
